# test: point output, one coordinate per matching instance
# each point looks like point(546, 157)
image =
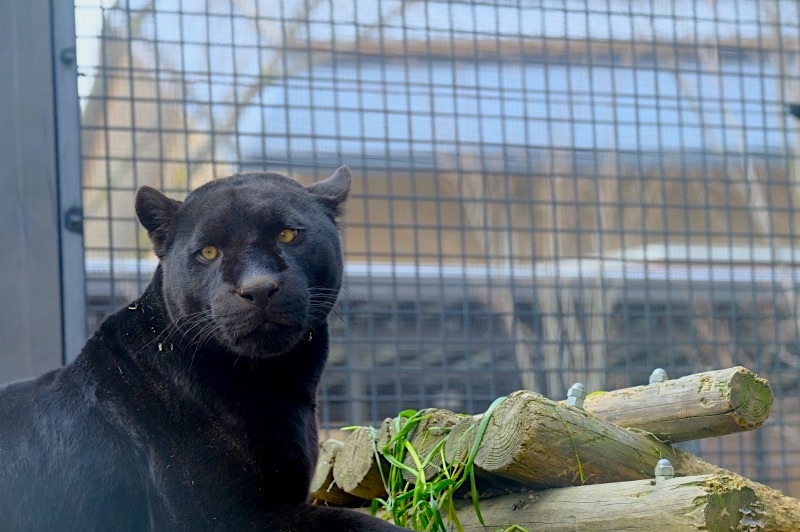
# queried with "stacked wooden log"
point(589, 465)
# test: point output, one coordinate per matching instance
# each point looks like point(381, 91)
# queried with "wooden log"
point(714, 403)
point(429, 432)
point(780, 512)
point(385, 432)
point(356, 469)
point(542, 444)
point(708, 502)
point(323, 489)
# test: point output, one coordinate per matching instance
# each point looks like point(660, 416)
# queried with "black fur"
point(194, 408)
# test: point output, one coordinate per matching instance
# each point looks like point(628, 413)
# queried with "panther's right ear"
point(156, 213)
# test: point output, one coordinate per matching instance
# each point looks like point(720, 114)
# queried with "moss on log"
point(707, 502)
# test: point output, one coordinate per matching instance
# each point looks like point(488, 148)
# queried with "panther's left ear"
point(332, 192)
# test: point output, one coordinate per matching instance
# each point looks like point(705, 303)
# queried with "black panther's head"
point(252, 262)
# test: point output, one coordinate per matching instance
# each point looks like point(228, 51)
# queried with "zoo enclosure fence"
point(545, 192)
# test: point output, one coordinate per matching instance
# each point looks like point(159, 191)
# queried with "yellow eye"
point(209, 252)
point(287, 235)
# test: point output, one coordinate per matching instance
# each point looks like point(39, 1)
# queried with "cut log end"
point(323, 487)
point(356, 470)
point(752, 397)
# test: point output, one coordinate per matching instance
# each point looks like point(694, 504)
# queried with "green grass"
point(422, 503)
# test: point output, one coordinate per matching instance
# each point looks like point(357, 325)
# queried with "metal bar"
point(68, 169)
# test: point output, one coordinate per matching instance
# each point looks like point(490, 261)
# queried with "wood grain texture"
point(534, 443)
point(720, 501)
point(427, 435)
point(542, 444)
point(707, 502)
point(356, 470)
point(324, 489)
point(698, 406)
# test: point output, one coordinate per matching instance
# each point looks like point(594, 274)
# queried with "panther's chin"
point(268, 340)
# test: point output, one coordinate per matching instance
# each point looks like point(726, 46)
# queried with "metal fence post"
point(68, 134)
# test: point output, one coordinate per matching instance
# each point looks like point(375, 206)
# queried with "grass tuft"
point(425, 503)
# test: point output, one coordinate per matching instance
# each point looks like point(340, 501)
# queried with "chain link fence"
point(546, 192)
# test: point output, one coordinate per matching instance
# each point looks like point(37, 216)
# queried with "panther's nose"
point(258, 290)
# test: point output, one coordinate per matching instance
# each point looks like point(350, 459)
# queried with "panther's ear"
point(332, 192)
point(156, 213)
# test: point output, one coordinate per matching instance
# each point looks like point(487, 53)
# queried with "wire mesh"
point(545, 192)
